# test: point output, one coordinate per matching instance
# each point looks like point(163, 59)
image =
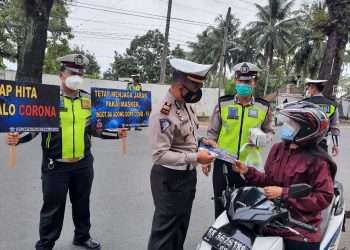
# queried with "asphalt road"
point(121, 201)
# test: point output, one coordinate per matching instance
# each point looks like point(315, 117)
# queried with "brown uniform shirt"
point(174, 133)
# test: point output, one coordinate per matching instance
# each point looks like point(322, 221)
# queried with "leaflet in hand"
point(221, 153)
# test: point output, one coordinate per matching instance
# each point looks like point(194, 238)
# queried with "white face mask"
point(74, 82)
point(307, 94)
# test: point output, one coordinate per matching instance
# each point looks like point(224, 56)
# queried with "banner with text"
point(116, 108)
point(28, 107)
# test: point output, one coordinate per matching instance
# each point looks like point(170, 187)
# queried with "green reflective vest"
point(328, 105)
point(134, 87)
point(74, 137)
point(236, 122)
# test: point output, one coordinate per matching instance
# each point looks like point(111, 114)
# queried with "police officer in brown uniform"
point(174, 141)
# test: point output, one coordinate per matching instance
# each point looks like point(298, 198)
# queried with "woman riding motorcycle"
point(298, 159)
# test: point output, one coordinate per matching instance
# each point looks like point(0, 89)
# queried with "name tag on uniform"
point(184, 122)
point(62, 108)
point(85, 104)
point(253, 113)
point(232, 113)
point(326, 108)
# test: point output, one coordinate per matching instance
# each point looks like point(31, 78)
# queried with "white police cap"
point(135, 75)
point(195, 72)
point(310, 81)
point(74, 62)
point(246, 71)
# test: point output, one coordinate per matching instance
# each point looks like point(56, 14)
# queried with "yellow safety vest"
point(236, 122)
point(74, 137)
point(134, 87)
point(328, 105)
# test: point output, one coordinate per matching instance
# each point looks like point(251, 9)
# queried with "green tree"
point(271, 33)
point(28, 27)
point(207, 49)
point(143, 56)
point(54, 51)
point(337, 31)
point(309, 45)
point(123, 66)
point(146, 51)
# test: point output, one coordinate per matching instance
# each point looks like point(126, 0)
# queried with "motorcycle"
point(248, 212)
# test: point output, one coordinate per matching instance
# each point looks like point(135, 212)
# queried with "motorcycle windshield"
point(248, 197)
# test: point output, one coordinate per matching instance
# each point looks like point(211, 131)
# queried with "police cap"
point(74, 62)
point(246, 71)
point(309, 81)
point(196, 73)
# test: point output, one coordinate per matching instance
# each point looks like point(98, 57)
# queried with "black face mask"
point(192, 97)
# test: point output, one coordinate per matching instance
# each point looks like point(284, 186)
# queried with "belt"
point(70, 160)
point(188, 167)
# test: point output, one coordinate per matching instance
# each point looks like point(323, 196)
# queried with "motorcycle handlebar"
point(305, 226)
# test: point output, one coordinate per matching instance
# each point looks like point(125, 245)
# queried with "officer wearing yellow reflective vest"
point(314, 90)
point(135, 84)
point(67, 160)
point(230, 124)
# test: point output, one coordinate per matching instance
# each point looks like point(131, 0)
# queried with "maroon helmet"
point(313, 121)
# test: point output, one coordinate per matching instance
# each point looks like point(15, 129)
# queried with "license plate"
point(222, 241)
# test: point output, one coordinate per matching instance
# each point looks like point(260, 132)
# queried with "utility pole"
point(165, 48)
point(223, 53)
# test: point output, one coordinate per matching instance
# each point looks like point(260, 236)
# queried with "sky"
point(105, 26)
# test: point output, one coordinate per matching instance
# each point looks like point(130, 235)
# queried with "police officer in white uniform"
point(174, 141)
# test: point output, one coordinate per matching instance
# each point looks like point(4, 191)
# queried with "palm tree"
point(309, 45)
point(209, 43)
point(271, 33)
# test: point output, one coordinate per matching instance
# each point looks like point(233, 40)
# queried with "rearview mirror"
point(298, 191)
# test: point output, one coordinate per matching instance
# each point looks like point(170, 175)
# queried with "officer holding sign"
point(314, 90)
point(67, 160)
point(174, 141)
point(230, 124)
point(135, 84)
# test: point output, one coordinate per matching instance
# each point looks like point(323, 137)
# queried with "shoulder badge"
point(164, 124)
point(83, 93)
point(85, 104)
point(166, 108)
point(226, 98)
point(262, 101)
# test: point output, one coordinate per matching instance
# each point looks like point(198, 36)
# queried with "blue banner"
point(28, 107)
point(116, 108)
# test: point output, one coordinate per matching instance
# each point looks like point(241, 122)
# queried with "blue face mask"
point(287, 132)
point(244, 89)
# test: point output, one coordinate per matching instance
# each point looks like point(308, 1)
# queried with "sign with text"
point(28, 107)
point(116, 108)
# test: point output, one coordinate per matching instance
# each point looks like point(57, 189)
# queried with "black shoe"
point(89, 244)
point(138, 129)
